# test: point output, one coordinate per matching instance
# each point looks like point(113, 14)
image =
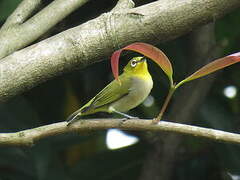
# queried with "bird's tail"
point(85, 110)
point(73, 117)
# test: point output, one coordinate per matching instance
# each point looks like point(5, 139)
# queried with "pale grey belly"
point(137, 94)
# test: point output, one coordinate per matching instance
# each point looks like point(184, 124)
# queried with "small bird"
point(118, 97)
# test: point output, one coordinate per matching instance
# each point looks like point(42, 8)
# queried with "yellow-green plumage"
point(135, 85)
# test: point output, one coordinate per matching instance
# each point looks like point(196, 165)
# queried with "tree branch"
point(97, 39)
point(30, 136)
point(21, 13)
point(123, 4)
point(21, 35)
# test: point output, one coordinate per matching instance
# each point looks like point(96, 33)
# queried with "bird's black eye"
point(133, 63)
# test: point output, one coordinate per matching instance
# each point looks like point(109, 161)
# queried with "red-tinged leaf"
point(147, 50)
point(115, 63)
point(214, 66)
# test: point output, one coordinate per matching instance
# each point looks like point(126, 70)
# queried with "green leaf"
point(7, 7)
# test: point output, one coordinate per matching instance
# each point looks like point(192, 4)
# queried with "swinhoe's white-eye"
point(135, 85)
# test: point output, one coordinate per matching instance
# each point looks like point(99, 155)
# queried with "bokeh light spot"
point(116, 139)
point(148, 101)
point(230, 91)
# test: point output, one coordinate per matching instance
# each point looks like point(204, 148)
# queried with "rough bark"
point(96, 39)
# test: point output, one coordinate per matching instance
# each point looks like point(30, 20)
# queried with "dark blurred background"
point(97, 155)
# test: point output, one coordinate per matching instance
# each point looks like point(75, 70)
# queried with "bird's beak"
point(142, 60)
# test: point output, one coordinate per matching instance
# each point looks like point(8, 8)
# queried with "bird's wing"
point(112, 92)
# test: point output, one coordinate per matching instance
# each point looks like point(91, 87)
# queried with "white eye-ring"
point(133, 63)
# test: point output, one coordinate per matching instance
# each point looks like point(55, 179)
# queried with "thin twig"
point(31, 136)
point(165, 104)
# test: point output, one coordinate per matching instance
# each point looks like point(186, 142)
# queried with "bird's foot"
point(155, 121)
point(130, 117)
point(124, 115)
point(122, 121)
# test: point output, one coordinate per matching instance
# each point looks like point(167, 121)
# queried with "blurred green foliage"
point(7, 7)
point(86, 156)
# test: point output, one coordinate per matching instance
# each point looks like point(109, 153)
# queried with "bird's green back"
point(111, 93)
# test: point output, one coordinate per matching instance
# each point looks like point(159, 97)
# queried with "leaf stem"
point(164, 107)
point(180, 83)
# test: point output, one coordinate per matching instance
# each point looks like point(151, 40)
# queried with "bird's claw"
point(131, 117)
